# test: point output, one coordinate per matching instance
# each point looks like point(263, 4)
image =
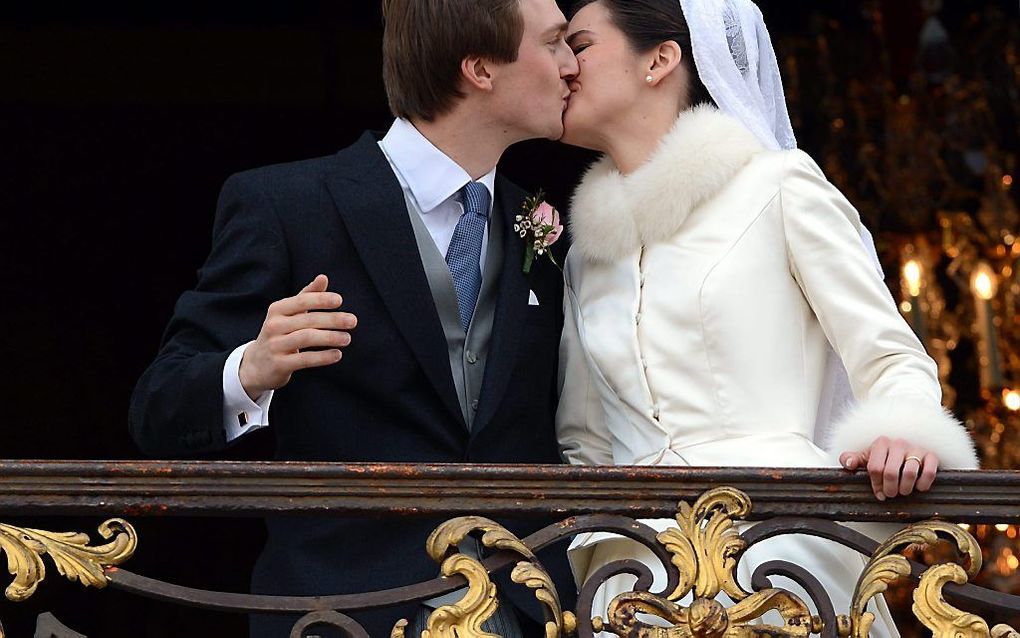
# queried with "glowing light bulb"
point(912, 273)
point(983, 282)
point(1002, 527)
point(1011, 399)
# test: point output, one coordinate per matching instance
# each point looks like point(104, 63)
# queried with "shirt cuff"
point(241, 415)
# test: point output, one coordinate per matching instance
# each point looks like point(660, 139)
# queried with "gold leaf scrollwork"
point(707, 618)
point(926, 534)
point(465, 618)
point(534, 577)
point(704, 549)
point(623, 611)
point(875, 579)
point(70, 552)
point(398, 629)
point(706, 543)
point(936, 614)
point(494, 536)
point(885, 567)
point(944, 620)
point(795, 613)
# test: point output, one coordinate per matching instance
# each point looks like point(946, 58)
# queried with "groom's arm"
point(242, 414)
point(178, 404)
point(294, 336)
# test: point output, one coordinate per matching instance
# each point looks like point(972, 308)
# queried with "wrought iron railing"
point(702, 597)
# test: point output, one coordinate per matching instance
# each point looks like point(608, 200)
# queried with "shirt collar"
point(428, 173)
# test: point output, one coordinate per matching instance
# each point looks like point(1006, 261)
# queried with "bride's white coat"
point(703, 292)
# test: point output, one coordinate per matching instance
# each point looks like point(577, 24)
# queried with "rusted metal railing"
point(698, 554)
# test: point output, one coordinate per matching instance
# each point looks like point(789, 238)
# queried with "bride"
point(724, 305)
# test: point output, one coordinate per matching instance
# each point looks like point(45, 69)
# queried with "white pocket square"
point(533, 299)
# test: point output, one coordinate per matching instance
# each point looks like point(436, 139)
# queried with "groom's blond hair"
point(425, 41)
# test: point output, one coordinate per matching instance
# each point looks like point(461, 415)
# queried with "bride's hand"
point(895, 466)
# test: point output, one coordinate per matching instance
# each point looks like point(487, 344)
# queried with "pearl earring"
point(649, 79)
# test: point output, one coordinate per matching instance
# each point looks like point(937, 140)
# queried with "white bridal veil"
point(736, 61)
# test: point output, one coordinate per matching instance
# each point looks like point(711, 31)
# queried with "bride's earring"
point(649, 79)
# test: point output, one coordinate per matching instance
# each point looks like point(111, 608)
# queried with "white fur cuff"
point(922, 422)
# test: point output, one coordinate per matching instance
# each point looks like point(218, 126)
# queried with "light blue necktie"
point(465, 249)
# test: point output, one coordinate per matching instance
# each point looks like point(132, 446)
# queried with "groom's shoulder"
point(295, 177)
point(510, 188)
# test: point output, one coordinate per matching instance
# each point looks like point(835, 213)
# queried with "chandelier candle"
point(984, 285)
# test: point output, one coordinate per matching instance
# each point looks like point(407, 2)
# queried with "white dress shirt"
point(431, 182)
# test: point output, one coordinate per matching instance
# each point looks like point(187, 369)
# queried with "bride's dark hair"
point(649, 23)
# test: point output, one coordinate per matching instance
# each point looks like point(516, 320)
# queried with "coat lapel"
point(511, 306)
point(371, 202)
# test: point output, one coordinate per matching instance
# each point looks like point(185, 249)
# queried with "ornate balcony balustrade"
point(702, 597)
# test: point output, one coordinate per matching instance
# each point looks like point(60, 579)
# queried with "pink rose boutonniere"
point(539, 226)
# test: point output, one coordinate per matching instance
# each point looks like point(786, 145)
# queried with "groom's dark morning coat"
point(392, 397)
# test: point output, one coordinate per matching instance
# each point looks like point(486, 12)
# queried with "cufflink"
point(242, 419)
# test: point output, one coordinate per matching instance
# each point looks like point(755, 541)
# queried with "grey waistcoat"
point(468, 352)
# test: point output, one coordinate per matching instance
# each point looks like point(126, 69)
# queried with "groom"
point(376, 300)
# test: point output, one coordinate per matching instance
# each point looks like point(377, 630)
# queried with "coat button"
point(637, 318)
point(474, 404)
point(472, 358)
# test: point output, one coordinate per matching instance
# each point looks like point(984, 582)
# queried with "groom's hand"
point(291, 329)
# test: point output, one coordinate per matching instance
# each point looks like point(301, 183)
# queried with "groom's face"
point(530, 95)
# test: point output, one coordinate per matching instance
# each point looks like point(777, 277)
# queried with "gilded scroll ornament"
point(875, 579)
point(944, 620)
point(707, 618)
point(886, 566)
point(533, 576)
point(399, 630)
point(465, 618)
point(705, 548)
point(706, 544)
point(70, 552)
point(936, 614)
point(494, 536)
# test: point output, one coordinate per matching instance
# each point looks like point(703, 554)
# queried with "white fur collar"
point(612, 215)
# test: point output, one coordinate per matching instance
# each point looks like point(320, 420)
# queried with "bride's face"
point(609, 82)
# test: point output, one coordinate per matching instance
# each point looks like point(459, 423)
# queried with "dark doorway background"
point(118, 124)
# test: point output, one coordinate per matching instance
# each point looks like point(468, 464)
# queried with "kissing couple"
point(721, 302)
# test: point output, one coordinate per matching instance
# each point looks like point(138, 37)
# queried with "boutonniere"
point(539, 226)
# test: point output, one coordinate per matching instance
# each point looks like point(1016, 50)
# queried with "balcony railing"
point(701, 599)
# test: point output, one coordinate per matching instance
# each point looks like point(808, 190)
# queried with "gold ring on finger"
point(914, 458)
